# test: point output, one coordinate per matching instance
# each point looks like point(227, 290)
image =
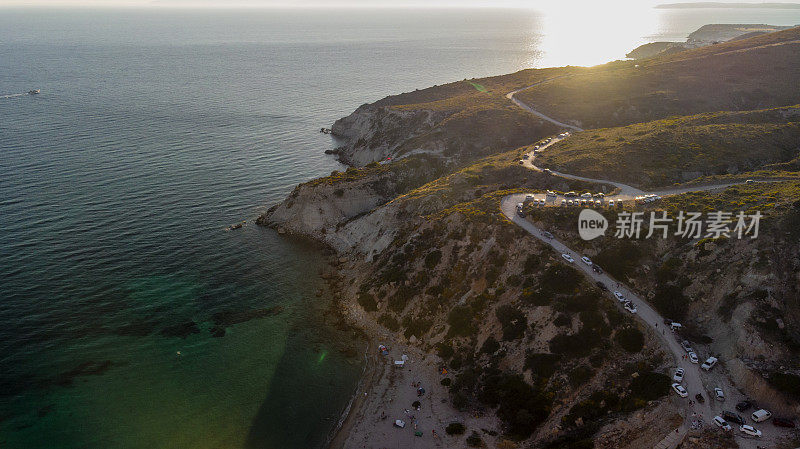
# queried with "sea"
point(154, 131)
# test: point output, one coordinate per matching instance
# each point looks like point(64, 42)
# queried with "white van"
point(761, 415)
point(675, 326)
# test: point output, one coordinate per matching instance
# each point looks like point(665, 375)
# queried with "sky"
point(536, 4)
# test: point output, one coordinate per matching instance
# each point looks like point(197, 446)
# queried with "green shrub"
point(389, 322)
point(650, 386)
point(513, 322)
point(432, 259)
point(474, 440)
point(490, 346)
point(368, 302)
point(455, 428)
point(630, 339)
point(786, 382)
point(580, 375)
point(541, 364)
point(461, 322)
point(579, 344)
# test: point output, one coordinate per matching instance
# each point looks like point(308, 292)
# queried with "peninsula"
point(493, 324)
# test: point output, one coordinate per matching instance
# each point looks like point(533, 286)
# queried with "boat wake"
point(30, 92)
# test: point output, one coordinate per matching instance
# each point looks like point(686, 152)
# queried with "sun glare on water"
point(591, 34)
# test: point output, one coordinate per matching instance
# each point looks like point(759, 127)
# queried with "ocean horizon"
point(129, 316)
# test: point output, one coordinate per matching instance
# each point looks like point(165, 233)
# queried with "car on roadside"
point(610, 203)
point(750, 430)
point(722, 424)
point(547, 171)
point(520, 211)
point(685, 344)
point(630, 307)
point(542, 202)
point(547, 235)
point(744, 405)
point(678, 377)
point(530, 198)
point(563, 202)
point(719, 394)
point(693, 358)
point(521, 162)
point(783, 422)
point(679, 390)
point(586, 260)
point(550, 193)
point(733, 417)
point(596, 268)
point(619, 296)
point(569, 202)
point(700, 398)
point(761, 415)
point(568, 258)
point(750, 181)
point(709, 363)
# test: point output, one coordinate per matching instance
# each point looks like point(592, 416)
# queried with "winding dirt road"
point(695, 380)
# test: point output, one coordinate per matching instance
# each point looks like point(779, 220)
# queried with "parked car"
point(722, 424)
point(700, 398)
point(744, 405)
point(630, 307)
point(547, 235)
point(619, 296)
point(686, 345)
point(519, 210)
point(521, 162)
point(761, 415)
point(693, 358)
point(529, 198)
point(551, 193)
point(596, 268)
point(733, 417)
point(678, 377)
point(750, 430)
point(678, 388)
point(548, 171)
point(783, 422)
point(568, 258)
point(709, 363)
point(399, 423)
point(602, 286)
point(586, 260)
point(563, 202)
point(610, 203)
point(719, 394)
point(750, 181)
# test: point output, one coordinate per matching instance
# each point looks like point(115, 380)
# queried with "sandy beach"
point(387, 393)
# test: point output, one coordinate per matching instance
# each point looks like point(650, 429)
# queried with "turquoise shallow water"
point(153, 132)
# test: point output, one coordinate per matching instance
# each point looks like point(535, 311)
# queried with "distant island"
point(697, 5)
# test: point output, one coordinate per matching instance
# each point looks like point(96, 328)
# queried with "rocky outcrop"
point(340, 210)
point(373, 133)
point(715, 33)
point(653, 49)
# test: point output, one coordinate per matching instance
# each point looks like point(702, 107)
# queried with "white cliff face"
point(375, 133)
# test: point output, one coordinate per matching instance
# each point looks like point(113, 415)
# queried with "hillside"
point(755, 73)
point(427, 260)
point(457, 122)
point(679, 149)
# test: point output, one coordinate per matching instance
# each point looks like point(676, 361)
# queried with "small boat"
point(34, 91)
